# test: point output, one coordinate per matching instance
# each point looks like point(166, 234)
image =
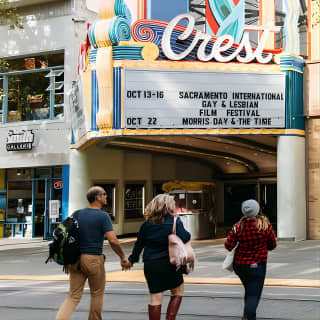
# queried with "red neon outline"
point(210, 19)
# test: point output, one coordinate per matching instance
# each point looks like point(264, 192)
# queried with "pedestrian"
point(153, 239)
point(255, 236)
point(94, 225)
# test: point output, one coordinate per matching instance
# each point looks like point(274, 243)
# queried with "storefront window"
point(19, 173)
point(57, 172)
point(43, 172)
point(19, 208)
point(133, 201)
point(31, 194)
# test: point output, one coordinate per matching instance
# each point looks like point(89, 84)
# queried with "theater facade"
point(212, 117)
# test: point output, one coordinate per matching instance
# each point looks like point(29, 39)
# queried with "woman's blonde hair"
point(158, 207)
point(262, 222)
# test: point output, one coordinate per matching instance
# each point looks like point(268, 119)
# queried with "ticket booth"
point(195, 203)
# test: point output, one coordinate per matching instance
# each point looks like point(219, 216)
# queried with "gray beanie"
point(250, 208)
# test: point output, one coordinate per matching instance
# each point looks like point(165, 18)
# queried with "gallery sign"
point(203, 99)
point(19, 141)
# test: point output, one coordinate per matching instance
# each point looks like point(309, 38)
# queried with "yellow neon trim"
point(197, 66)
point(122, 98)
point(291, 69)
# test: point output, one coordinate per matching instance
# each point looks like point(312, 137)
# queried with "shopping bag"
point(181, 254)
point(228, 260)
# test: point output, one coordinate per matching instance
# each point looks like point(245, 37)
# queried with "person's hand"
point(65, 269)
point(126, 264)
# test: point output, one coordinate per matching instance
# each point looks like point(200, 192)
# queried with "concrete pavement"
point(290, 265)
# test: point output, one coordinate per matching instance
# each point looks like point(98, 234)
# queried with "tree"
point(315, 18)
point(9, 15)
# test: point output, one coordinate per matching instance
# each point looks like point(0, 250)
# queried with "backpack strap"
point(75, 215)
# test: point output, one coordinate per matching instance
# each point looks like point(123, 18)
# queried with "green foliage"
point(4, 65)
point(315, 13)
point(9, 16)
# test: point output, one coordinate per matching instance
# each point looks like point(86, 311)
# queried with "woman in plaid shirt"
point(255, 236)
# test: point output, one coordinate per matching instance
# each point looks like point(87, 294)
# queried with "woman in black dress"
point(159, 273)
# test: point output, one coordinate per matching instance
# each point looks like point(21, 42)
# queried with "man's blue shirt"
point(93, 224)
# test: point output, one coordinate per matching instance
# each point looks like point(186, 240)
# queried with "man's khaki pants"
point(92, 268)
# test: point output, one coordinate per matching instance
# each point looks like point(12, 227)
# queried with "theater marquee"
point(203, 99)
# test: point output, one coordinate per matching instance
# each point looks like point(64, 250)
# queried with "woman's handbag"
point(228, 261)
point(181, 254)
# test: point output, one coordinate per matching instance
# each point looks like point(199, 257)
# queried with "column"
point(291, 160)
point(79, 180)
point(291, 188)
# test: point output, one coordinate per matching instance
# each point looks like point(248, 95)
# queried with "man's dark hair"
point(92, 193)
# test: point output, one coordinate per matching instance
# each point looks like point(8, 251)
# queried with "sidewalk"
point(292, 264)
point(19, 243)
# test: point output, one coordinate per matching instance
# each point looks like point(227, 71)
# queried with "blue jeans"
point(252, 278)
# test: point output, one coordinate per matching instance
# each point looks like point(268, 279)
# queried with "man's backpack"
point(65, 247)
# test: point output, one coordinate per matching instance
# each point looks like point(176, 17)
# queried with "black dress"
point(161, 275)
point(153, 239)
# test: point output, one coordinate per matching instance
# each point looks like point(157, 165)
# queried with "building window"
point(134, 201)
point(27, 97)
point(1, 97)
point(110, 207)
point(43, 172)
point(33, 91)
point(157, 189)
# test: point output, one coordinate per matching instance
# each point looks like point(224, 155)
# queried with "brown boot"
point(154, 312)
point(173, 307)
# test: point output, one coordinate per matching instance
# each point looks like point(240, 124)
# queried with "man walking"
point(94, 225)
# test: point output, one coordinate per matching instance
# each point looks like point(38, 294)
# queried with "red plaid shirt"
point(253, 244)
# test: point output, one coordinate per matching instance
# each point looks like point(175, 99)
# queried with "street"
point(32, 290)
point(21, 300)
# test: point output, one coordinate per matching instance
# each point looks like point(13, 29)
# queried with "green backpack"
point(65, 247)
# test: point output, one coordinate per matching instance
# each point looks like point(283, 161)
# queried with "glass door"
point(34, 201)
point(39, 207)
point(19, 209)
point(47, 207)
